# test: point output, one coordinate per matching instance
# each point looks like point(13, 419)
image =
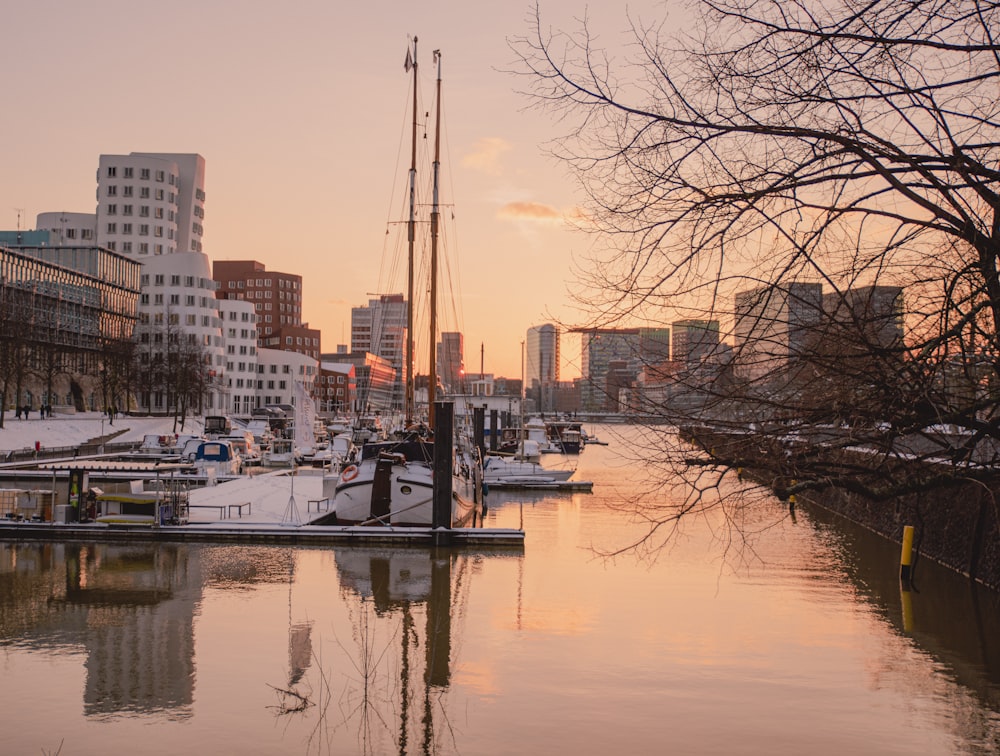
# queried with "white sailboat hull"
point(410, 494)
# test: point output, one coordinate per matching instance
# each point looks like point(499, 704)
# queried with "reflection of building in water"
point(131, 607)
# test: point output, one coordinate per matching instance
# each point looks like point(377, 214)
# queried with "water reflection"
point(946, 615)
point(406, 601)
point(130, 609)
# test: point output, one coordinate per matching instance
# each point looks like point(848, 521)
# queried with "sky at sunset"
point(299, 109)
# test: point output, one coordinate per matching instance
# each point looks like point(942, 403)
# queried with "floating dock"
point(264, 533)
point(580, 486)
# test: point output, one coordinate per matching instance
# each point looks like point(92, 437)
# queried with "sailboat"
point(392, 483)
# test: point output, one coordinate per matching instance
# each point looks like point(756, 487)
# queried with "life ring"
point(350, 473)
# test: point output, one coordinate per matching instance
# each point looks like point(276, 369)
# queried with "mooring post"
point(444, 450)
point(906, 557)
point(479, 428)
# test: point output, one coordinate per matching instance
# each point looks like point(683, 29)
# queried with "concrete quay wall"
point(957, 525)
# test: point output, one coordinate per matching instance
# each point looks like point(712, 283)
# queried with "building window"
point(127, 190)
point(143, 229)
point(126, 209)
point(128, 172)
point(112, 209)
point(143, 192)
point(112, 171)
point(159, 176)
point(144, 174)
point(126, 228)
point(112, 228)
point(112, 191)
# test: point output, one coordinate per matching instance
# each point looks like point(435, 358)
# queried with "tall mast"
point(411, 233)
point(435, 216)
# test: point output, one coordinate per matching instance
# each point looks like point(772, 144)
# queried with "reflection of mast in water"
point(400, 581)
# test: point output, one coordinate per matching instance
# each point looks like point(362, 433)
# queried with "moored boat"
point(393, 484)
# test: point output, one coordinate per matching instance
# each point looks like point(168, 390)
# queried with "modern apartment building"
point(629, 348)
point(694, 340)
point(775, 325)
point(542, 365)
point(379, 328)
point(451, 361)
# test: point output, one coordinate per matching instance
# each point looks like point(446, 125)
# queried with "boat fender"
point(350, 473)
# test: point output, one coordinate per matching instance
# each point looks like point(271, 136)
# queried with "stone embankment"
point(956, 524)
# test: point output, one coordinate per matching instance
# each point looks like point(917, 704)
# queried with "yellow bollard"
point(906, 557)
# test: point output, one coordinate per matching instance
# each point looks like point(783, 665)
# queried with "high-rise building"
point(869, 314)
point(379, 328)
point(599, 348)
point(694, 340)
point(633, 348)
point(451, 361)
point(775, 325)
point(542, 364)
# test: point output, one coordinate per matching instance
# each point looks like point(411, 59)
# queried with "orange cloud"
point(486, 156)
point(534, 211)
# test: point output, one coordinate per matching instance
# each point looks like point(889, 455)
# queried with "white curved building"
point(68, 229)
point(239, 331)
point(151, 203)
point(178, 302)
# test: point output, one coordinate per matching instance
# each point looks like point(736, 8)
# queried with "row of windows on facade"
point(85, 233)
point(175, 300)
point(245, 367)
point(268, 294)
point(175, 280)
point(174, 318)
point(128, 172)
point(143, 230)
point(143, 247)
point(144, 212)
point(261, 282)
point(266, 307)
point(159, 195)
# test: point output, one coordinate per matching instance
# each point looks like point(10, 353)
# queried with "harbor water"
point(795, 639)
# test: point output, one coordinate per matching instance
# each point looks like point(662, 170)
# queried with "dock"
point(264, 533)
point(579, 486)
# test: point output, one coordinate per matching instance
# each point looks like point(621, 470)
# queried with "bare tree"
point(847, 144)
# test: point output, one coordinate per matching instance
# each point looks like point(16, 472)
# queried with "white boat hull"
point(505, 470)
point(409, 493)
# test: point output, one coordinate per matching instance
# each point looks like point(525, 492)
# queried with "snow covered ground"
point(69, 430)
point(268, 493)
